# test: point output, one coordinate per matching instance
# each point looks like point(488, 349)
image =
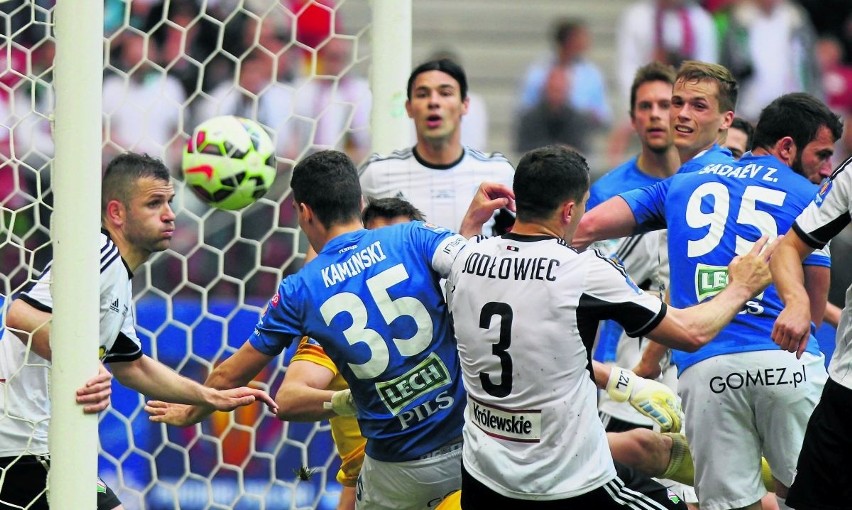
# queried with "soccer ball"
point(229, 162)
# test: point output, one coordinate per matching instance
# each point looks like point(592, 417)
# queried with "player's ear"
point(727, 120)
point(567, 211)
point(465, 105)
point(115, 212)
point(408, 109)
point(305, 211)
point(786, 149)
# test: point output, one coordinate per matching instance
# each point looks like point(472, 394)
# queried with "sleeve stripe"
point(624, 251)
point(815, 238)
point(108, 255)
point(35, 304)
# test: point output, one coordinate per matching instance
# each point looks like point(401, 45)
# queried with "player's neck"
point(132, 256)
point(658, 164)
point(760, 151)
point(338, 229)
point(542, 228)
point(439, 152)
point(687, 154)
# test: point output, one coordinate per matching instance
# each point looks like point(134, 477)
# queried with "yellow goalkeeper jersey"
point(344, 429)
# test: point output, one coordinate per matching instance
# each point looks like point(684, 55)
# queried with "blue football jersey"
point(373, 300)
point(624, 177)
point(712, 215)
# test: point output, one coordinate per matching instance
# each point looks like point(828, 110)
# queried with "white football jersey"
point(645, 258)
point(442, 193)
point(525, 310)
point(818, 223)
point(24, 377)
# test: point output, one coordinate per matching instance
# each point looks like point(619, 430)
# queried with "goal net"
point(298, 67)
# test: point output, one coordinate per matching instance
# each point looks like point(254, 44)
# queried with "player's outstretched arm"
point(233, 373)
point(610, 219)
point(94, 396)
point(691, 328)
point(303, 394)
point(489, 197)
point(151, 377)
point(654, 400)
point(792, 328)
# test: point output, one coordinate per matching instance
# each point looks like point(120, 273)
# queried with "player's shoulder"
point(843, 171)
point(395, 156)
point(497, 158)
point(111, 261)
point(419, 228)
point(839, 182)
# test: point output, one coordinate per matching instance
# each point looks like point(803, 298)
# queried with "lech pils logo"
point(710, 280)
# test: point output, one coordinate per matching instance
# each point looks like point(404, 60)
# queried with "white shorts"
point(411, 485)
point(741, 406)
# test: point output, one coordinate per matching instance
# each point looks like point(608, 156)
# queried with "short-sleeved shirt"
point(712, 215)
point(525, 310)
point(441, 192)
point(25, 399)
point(822, 220)
point(372, 299)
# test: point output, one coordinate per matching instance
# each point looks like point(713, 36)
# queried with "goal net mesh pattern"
point(299, 68)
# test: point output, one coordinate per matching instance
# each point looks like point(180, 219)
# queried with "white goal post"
point(197, 302)
point(73, 436)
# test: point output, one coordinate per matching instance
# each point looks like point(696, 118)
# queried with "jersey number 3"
point(500, 349)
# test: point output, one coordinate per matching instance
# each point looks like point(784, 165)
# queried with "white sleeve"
point(448, 250)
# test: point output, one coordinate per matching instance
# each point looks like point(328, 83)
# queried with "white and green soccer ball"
point(229, 162)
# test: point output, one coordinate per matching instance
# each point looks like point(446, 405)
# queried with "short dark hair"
point(655, 71)
point(390, 208)
point(327, 181)
point(747, 128)
point(697, 71)
point(797, 115)
point(566, 28)
point(119, 178)
point(546, 177)
point(444, 65)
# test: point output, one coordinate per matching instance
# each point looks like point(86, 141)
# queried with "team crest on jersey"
point(275, 299)
point(709, 280)
point(432, 226)
point(674, 498)
point(616, 263)
point(824, 188)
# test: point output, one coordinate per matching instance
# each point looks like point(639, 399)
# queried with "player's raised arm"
point(609, 220)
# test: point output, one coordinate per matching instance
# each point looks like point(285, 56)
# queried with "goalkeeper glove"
point(342, 403)
point(654, 400)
